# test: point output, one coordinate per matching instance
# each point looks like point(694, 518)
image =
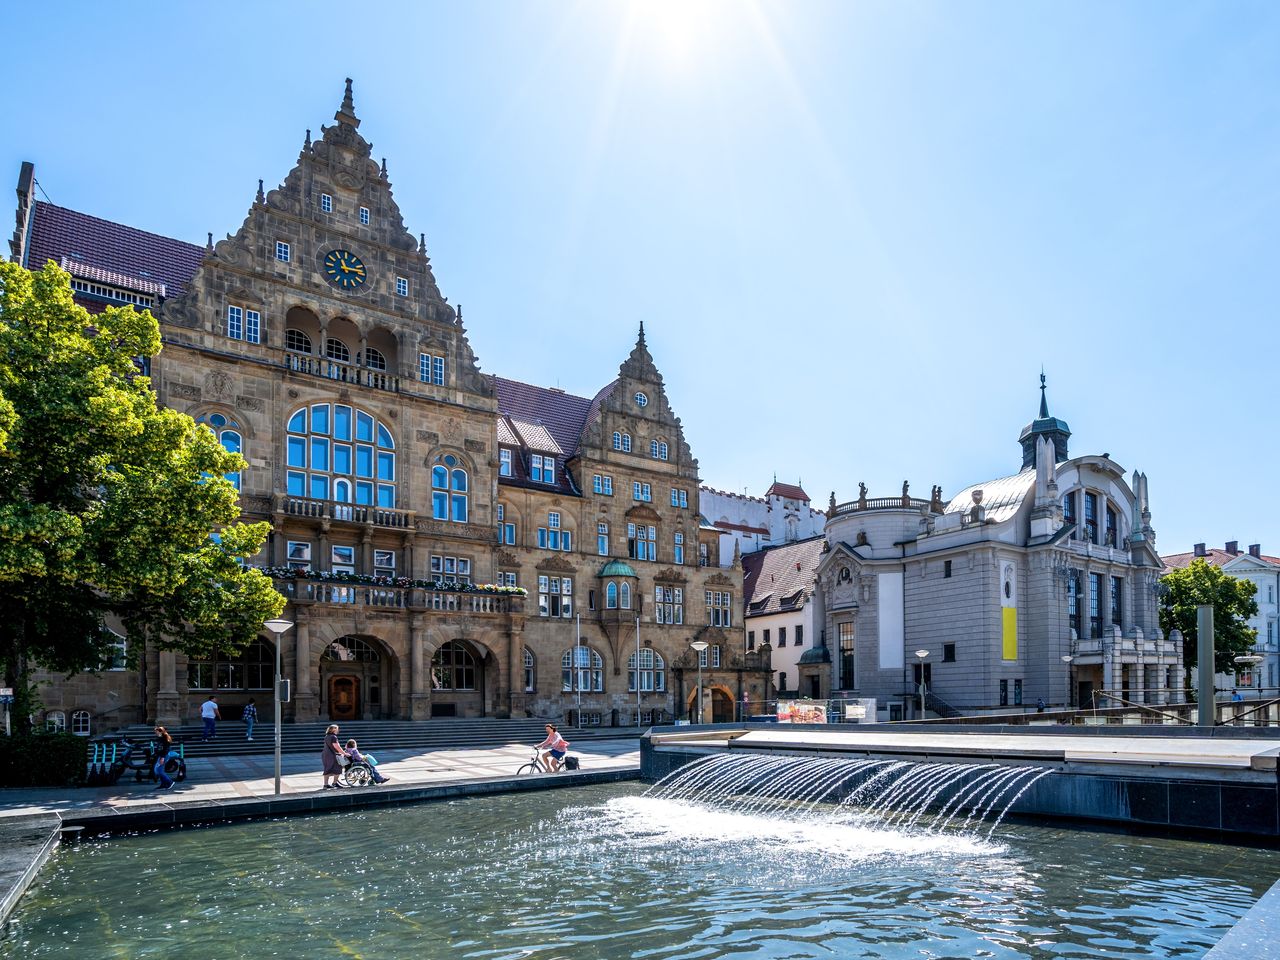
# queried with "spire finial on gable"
point(384, 168)
point(422, 244)
point(208, 247)
point(306, 144)
point(347, 112)
point(261, 197)
point(640, 341)
point(1044, 402)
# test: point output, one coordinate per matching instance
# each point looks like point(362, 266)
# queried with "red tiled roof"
point(740, 527)
point(1216, 558)
point(787, 492)
point(57, 232)
point(781, 577)
point(561, 413)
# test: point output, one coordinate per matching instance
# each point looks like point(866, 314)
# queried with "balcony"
point(376, 597)
point(342, 372)
point(348, 512)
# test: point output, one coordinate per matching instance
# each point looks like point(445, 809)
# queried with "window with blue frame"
point(229, 435)
point(450, 490)
point(336, 452)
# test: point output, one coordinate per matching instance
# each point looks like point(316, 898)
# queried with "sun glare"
point(680, 34)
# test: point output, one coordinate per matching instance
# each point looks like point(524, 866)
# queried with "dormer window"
point(504, 462)
point(326, 203)
point(542, 469)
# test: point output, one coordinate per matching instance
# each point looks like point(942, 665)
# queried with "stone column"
point(168, 703)
point(512, 686)
point(419, 695)
point(306, 707)
point(364, 560)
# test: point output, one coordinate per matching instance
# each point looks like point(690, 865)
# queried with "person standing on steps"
point(250, 716)
point(210, 715)
point(332, 751)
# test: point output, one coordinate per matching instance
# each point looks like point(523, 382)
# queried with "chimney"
point(1233, 547)
point(1198, 549)
point(1255, 550)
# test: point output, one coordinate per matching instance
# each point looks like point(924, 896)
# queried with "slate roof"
point(1001, 498)
point(57, 232)
point(777, 579)
point(787, 491)
point(1216, 558)
point(562, 414)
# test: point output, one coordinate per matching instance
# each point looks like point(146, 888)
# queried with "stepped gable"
point(59, 234)
point(778, 579)
point(562, 415)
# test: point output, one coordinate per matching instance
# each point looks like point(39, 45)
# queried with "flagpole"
point(577, 657)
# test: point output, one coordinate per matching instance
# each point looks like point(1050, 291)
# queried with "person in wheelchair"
point(353, 753)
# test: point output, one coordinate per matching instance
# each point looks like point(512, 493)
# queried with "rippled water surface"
point(605, 872)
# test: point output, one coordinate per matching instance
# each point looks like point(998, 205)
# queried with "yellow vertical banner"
point(1010, 632)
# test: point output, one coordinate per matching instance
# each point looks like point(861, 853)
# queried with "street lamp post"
point(1067, 658)
point(278, 627)
point(699, 646)
point(922, 654)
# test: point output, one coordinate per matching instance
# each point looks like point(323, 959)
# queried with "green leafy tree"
point(108, 503)
point(1233, 604)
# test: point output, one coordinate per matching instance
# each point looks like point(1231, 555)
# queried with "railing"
point(882, 503)
point(342, 372)
point(351, 512)
point(397, 598)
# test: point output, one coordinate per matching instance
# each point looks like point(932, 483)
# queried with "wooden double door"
point(344, 697)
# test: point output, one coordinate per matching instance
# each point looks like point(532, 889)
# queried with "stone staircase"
point(373, 735)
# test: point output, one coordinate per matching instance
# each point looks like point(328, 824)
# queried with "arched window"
point(335, 349)
point(374, 360)
point(449, 489)
point(530, 673)
point(626, 443)
point(622, 441)
point(80, 723)
point(581, 668)
point(617, 440)
point(55, 721)
point(611, 595)
point(625, 595)
point(336, 452)
point(653, 672)
point(297, 341)
point(453, 668)
point(228, 434)
point(351, 650)
point(658, 449)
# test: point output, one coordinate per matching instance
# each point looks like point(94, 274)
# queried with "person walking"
point(250, 716)
point(164, 749)
point(332, 768)
point(210, 715)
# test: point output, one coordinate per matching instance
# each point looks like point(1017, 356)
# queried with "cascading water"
point(904, 797)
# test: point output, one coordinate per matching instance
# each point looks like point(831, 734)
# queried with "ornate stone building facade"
point(411, 496)
point(1037, 586)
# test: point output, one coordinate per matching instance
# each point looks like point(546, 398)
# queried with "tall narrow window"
point(602, 539)
point(504, 462)
point(1111, 530)
point(1117, 600)
point(402, 287)
point(1091, 517)
point(1073, 602)
point(848, 658)
point(235, 323)
point(1095, 597)
point(678, 549)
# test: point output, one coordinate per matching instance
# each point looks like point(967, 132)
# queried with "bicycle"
point(533, 766)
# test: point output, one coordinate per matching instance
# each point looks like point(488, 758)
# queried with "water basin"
point(610, 872)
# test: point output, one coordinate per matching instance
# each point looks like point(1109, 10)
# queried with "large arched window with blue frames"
point(229, 435)
point(449, 489)
point(340, 453)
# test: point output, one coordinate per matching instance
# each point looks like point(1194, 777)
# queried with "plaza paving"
point(248, 777)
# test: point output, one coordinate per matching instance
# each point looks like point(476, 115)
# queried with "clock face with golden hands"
point(344, 269)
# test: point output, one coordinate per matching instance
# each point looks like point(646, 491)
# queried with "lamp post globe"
point(699, 647)
point(277, 627)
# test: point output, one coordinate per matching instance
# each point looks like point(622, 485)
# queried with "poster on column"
point(802, 711)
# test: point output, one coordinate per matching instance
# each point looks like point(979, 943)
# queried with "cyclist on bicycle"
point(556, 747)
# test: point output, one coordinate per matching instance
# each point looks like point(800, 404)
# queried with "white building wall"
point(782, 520)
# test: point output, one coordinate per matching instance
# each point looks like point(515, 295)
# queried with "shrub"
point(43, 760)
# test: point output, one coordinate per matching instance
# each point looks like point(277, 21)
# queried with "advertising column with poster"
point(802, 711)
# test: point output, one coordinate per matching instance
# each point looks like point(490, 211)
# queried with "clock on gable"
point(344, 269)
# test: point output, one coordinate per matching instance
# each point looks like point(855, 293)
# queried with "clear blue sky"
point(854, 230)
